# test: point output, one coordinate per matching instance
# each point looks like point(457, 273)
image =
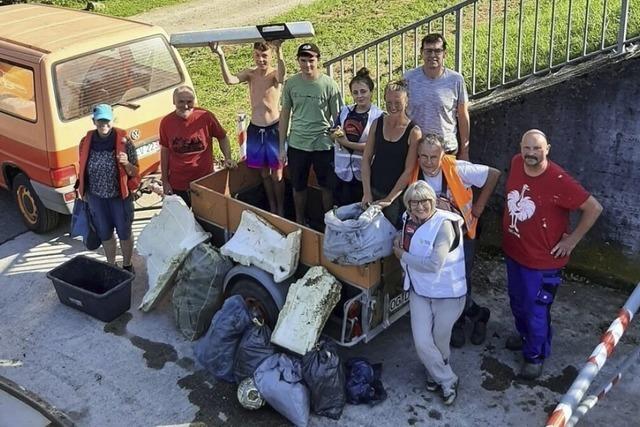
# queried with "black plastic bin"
point(99, 289)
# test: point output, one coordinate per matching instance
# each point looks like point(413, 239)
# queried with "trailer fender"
point(278, 291)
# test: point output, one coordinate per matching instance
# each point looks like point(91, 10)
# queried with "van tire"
point(255, 295)
point(34, 214)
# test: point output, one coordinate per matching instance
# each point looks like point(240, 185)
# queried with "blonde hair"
point(396, 86)
point(419, 190)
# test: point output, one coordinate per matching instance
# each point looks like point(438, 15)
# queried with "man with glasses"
point(438, 100)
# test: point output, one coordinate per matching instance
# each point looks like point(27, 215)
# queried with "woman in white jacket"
point(350, 137)
point(431, 253)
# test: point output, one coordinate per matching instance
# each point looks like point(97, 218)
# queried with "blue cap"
point(102, 112)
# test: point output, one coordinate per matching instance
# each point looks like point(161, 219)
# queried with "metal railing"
point(496, 43)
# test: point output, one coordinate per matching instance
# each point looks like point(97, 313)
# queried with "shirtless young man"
point(262, 134)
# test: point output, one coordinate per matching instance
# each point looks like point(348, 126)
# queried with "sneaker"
point(530, 371)
point(457, 334)
point(514, 343)
point(129, 268)
point(449, 395)
point(432, 385)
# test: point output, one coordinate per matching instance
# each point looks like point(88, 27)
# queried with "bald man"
point(537, 242)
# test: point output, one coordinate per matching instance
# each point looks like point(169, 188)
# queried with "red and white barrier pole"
point(563, 412)
point(590, 401)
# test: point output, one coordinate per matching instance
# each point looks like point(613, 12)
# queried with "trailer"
point(372, 295)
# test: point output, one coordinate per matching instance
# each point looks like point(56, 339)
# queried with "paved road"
point(10, 222)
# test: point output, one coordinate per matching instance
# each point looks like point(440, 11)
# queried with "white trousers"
point(432, 320)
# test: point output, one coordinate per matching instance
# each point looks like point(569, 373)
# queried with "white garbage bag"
point(354, 236)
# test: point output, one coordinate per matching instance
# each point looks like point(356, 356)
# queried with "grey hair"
point(535, 132)
point(432, 139)
point(419, 190)
point(183, 88)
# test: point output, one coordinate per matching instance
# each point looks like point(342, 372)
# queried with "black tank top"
point(390, 156)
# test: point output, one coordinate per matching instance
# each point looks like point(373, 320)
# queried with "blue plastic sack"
point(279, 381)
point(216, 351)
point(363, 382)
point(82, 226)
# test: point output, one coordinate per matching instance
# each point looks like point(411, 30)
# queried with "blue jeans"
point(531, 293)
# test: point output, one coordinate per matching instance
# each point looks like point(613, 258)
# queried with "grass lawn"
point(117, 7)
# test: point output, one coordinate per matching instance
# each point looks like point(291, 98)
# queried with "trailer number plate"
point(398, 301)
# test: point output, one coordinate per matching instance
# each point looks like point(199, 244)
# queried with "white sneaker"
point(449, 394)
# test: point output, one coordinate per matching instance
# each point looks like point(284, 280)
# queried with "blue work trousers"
point(531, 293)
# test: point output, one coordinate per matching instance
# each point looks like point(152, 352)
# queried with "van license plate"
point(149, 148)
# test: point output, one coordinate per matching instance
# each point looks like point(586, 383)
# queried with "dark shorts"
point(263, 146)
point(109, 214)
point(300, 162)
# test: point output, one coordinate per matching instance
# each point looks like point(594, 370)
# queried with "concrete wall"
point(593, 124)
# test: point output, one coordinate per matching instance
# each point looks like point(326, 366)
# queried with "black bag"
point(216, 351)
point(322, 371)
point(254, 347)
point(363, 382)
point(81, 225)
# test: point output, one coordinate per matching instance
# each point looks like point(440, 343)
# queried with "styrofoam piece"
point(256, 242)
point(309, 303)
point(249, 34)
point(165, 242)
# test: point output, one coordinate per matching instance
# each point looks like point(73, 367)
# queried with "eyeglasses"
point(433, 51)
point(415, 203)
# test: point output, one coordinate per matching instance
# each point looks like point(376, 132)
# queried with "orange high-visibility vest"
point(462, 196)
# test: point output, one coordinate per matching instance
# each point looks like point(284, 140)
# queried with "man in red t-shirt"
point(537, 242)
point(186, 137)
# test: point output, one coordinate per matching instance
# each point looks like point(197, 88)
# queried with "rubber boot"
point(457, 334)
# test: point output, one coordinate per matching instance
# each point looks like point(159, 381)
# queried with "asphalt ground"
point(139, 371)
point(10, 222)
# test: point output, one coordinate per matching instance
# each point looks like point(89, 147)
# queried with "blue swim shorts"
point(263, 146)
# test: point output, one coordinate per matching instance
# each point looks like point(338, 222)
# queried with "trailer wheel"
point(34, 214)
point(258, 298)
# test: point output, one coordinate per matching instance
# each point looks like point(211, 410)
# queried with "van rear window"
point(117, 74)
point(17, 95)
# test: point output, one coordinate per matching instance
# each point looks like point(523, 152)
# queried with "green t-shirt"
point(314, 105)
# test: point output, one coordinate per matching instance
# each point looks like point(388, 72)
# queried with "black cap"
point(308, 49)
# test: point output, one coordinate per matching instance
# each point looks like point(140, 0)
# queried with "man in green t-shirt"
point(310, 102)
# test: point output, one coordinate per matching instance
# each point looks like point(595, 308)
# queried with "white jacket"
point(347, 165)
point(450, 281)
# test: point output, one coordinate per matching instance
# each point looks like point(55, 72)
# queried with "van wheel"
point(34, 214)
point(258, 298)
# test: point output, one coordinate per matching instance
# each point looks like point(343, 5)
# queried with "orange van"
point(55, 65)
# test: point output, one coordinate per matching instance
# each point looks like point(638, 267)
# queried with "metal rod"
point(390, 59)
point(604, 24)
point(415, 47)
point(443, 27)
point(568, 53)
point(622, 30)
point(342, 77)
point(489, 48)
point(504, 42)
point(586, 29)
point(378, 74)
point(535, 38)
point(366, 58)
point(353, 63)
point(458, 64)
point(403, 65)
point(473, 49)
point(519, 70)
point(552, 32)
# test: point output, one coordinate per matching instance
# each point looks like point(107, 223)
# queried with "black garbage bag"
point(279, 381)
point(323, 373)
point(254, 347)
point(363, 384)
point(198, 291)
point(216, 351)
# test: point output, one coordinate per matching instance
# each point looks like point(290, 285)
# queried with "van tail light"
point(63, 176)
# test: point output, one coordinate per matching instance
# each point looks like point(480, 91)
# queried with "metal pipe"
point(402, 38)
point(415, 47)
point(604, 24)
point(568, 52)
point(504, 42)
point(586, 29)
point(458, 63)
point(552, 32)
point(342, 77)
point(390, 59)
point(473, 49)
point(489, 47)
point(519, 55)
point(622, 30)
point(378, 74)
point(535, 38)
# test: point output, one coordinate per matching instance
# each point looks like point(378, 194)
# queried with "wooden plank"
point(208, 204)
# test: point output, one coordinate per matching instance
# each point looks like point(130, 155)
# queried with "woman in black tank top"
point(390, 155)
